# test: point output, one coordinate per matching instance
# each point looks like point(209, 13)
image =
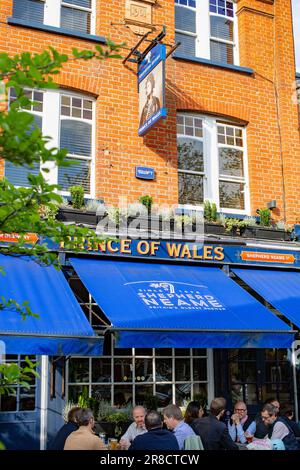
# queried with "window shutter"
point(185, 20)
point(76, 136)
point(76, 19)
point(18, 175)
point(29, 10)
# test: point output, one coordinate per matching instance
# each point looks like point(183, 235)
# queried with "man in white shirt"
point(136, 428)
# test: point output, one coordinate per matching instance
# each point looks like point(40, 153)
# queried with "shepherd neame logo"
point(175, 295)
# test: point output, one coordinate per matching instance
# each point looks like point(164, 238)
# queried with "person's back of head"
point(173, 411)
point(192, 411)
point(153, 420)
point(287, 411)
point(84, 417)
point(72, 415)
point(217, 406)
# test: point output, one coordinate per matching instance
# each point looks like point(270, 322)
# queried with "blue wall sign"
point(144, 173)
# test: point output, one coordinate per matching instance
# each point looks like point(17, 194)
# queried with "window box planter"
point(215, 229)
point(266, 233)
point(78, 216)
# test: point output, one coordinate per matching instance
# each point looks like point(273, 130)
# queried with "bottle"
point(102, 436)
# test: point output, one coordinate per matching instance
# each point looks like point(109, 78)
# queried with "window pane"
point(76, 174)
point(231, 162)
point(123, 370)
point(27, 401)
point(200, 393)
point(163, 370)
point(164, 395)
point(122, 395)
point(231, 195)
point(101, 370)
point(8, 403)
point(143, 370)
point(76, 137)
point(221, 28)
point(76, 390)
point(185, 19)
point(182, 393)
point(102, 392)
point(163, 352)
point(188, 44)
point(29, 10)
point(190, 189)
point(75, 20)
point(199, 369)
point(143, 352)
point(190, 154)
point(142, 392)
point(78, 370)
point(221, 52)
point(182, 370)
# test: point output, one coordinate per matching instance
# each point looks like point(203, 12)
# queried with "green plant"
point(183, 221)
point(213, 211)
point(77, 194)
point(210, 211)
point(264, 217)
point(147, 201)
point(117, 417)
point(93, 205)
point(83, 399)
point(114, 214)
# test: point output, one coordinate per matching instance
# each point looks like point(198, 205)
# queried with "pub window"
point(72, 15)
point(212, 163)
point(68, 119)
point(24, 399)
point(207, 29)
point(129, 377)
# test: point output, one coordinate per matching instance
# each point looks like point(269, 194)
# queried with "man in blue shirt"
point(242, 426)
point(174, 421)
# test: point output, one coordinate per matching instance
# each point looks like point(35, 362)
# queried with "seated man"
point(174, 421)
point(136, 428)
point(241, 423)
point(156, 438)
point(214, 434)
point(278, 428)
point(84, 438)
point(71, 426)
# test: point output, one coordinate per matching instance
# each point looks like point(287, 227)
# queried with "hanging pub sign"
point(151, 81)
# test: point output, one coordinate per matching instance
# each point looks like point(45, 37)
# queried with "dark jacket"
point(155, 439)
point(292, 424)
point(290, 441)
point(214, 434)
point(58, 442)
point(261, 429)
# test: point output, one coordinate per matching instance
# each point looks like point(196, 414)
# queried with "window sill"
point(199, 60)
point(54, 29)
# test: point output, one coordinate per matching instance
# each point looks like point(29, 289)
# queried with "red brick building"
point(231, 136)
point(235, 65)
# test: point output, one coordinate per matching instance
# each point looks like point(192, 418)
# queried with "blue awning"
point(160, 305)
point(280, 288)
point(61, 329)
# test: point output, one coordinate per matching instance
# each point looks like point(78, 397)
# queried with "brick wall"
point(259, 100)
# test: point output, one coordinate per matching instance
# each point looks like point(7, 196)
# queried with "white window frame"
point(211, 164)
point(203, 36)
point(52, 13)
point(51, 119)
